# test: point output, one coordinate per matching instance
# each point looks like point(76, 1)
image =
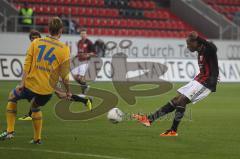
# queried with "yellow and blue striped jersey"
point(45, 56)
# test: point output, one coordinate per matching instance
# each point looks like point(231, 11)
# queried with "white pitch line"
point(60, 152)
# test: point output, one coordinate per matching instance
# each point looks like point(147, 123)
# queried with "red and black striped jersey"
point(208, 65)
point(84, 47)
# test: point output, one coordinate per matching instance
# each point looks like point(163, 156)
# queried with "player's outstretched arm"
point(66, 85)
point(65, 78)
point(27, 66)
point(20, 87)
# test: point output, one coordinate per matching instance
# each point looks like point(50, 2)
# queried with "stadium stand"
point(229, 8)
point(112, 17)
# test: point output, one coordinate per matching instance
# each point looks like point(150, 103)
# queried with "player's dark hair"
point(191, 39)
point(34, 33)
point(55, 25)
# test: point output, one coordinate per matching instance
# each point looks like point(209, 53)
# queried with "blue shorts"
point(27, 94)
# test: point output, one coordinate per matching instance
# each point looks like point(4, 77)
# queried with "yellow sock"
point(37, 124)
point(11, 116)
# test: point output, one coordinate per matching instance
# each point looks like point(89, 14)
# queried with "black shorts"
point(26, 93)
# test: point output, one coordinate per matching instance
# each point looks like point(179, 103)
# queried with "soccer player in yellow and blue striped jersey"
point(34, 34)
point(46, 61)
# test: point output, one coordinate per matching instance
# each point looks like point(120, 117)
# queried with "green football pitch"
point(210, 130)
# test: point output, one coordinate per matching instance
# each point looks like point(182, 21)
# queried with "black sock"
point(84, 86)
point(30, 113)
point(178, 116)
point(79, 99)
point(169, 107)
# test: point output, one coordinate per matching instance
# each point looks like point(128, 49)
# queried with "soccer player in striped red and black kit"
point(202, 85)
point(208, 64)
point(85, 52)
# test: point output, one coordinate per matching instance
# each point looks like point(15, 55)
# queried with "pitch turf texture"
point(210, 130)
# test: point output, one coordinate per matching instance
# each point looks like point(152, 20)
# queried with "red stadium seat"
point(103, 22)
point(142, 24)
point(110, 22)
point(88, 11)
point(168, 25)
point(66, 10)
point(74, 2)
point(96, 22)
point(60, 10)
point(39, 20)
point(123, 23)
point(162, 25)
point(103, 32)
point(66, 2)
point(116, 23)
point(95, 12)
point(101, 2)
point(130, 23)
point(155, 24)
point(53, 10)
point(88, 2)
point(90, 31)
point(74, 10)
point(102, 12)
point(81, 21)
point(45, 1)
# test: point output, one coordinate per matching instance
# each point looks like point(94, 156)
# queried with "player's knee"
point(77, 77)
point(180, 101)
point(81, 79)
point(36, 113)
point(175, 101)
point(11, 107)
point(183, 101)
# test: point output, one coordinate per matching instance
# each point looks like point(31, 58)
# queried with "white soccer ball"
point(115, 115)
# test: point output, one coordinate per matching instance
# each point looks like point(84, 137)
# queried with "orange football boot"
point(169, 133)
point(142, 119)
